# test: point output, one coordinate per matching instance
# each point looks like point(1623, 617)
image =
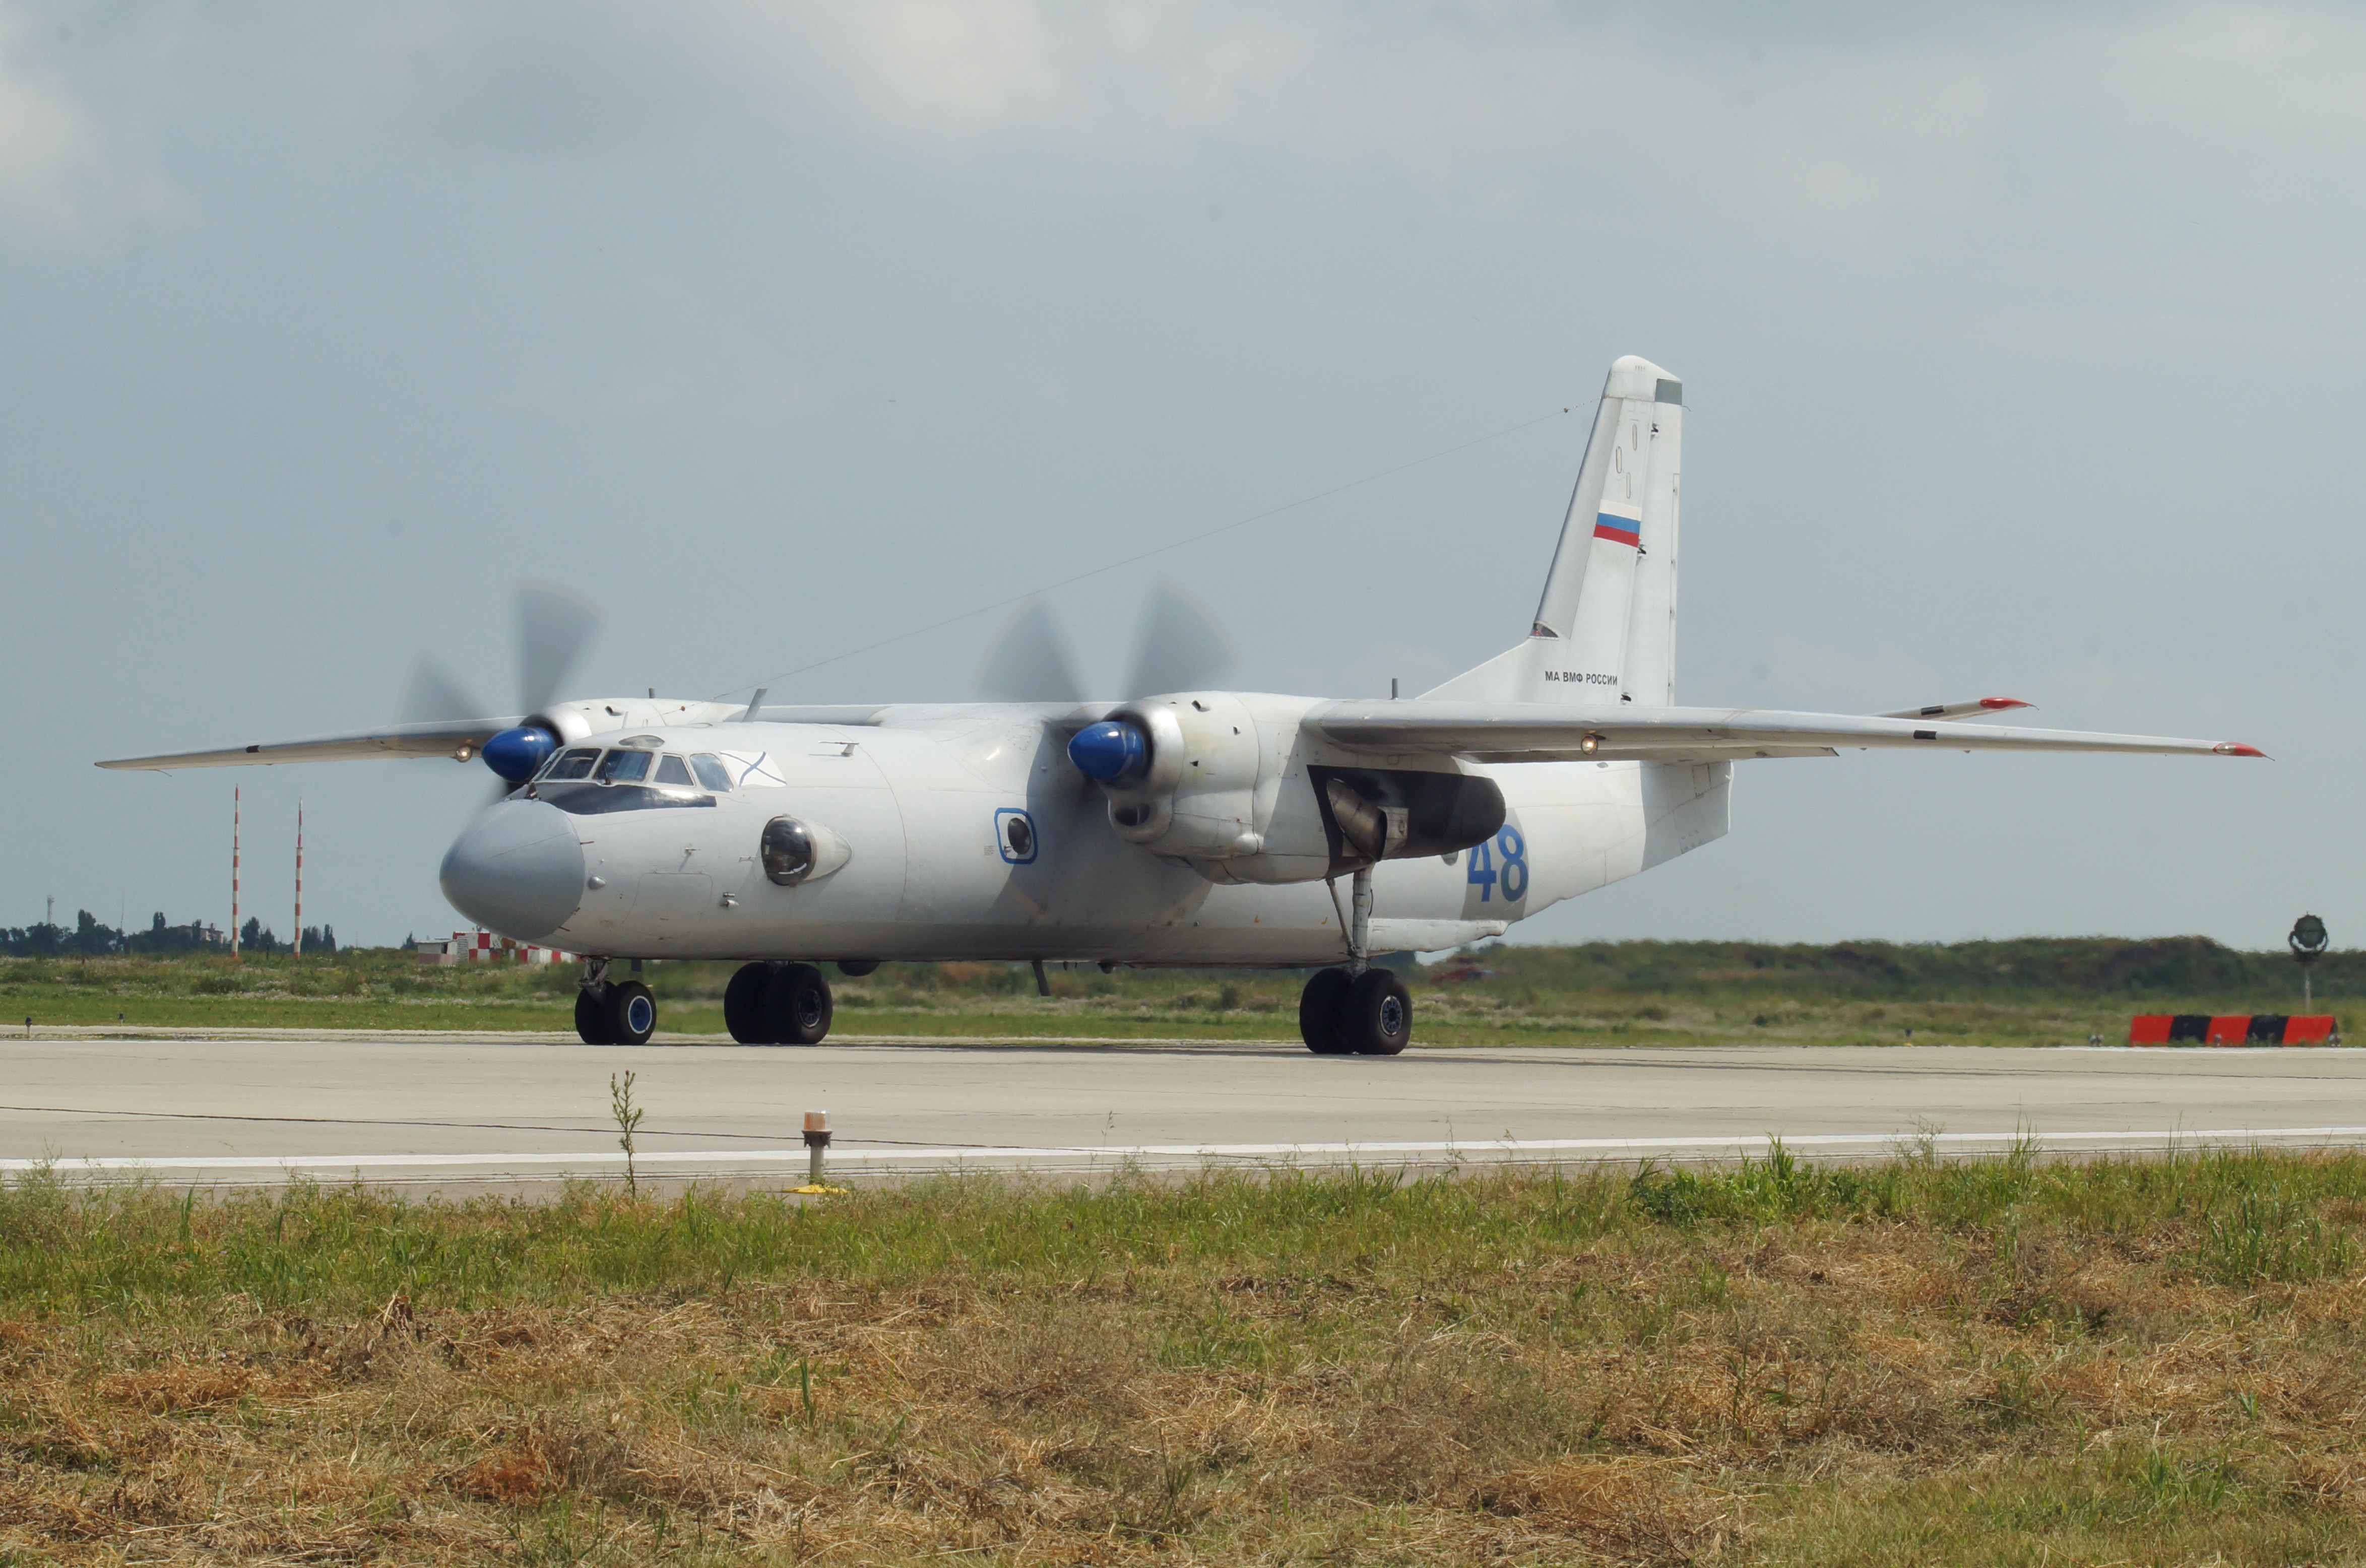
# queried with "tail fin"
point(1606, 630)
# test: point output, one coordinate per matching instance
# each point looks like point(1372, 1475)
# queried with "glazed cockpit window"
point(574, 763)
point(710, 772)
point(624, 767)
point(671, 770)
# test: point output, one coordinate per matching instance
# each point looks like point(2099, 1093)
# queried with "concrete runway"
point(512, 1111)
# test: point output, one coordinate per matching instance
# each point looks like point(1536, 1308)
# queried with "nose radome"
point(516, 870)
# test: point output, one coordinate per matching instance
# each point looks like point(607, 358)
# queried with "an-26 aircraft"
point(1182, 826)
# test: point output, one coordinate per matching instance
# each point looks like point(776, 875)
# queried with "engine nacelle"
point(1181, 775)
point(1226, 783)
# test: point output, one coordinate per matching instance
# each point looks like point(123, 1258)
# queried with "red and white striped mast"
point(233, 868)
point(296, 945)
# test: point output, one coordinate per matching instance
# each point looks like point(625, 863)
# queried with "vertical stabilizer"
point(1605, 628)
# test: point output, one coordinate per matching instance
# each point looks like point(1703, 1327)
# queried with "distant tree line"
point(89, 939)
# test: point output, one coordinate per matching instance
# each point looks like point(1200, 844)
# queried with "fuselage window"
point(572, 764)
point(710, 772)
point(671, 772)
point(624, 767)
point(1020, 837)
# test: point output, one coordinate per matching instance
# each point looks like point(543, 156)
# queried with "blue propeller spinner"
point(1112, 751)
point(518, 752)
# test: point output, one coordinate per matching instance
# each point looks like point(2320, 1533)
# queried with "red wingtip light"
point(2237, 749)
point(1997, 704)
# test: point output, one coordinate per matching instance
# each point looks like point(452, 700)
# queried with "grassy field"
point(2030, 992)
point(1995, 1363)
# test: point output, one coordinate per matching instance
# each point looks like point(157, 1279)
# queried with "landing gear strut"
point(620, 1013)
point(1356, 1010)
point(778, 1004)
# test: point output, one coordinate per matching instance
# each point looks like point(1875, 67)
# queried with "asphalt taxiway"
point(510, 1112)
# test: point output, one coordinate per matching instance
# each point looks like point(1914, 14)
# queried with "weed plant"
point(2001, 1361)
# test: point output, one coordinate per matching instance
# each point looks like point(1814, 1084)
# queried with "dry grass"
point(2125, 1361)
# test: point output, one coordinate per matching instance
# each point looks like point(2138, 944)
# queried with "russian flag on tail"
point(1619, 530)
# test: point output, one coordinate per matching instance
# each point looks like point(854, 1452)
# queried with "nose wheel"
point(1368, 1014)
point(778, 1004)
point(618, 1013)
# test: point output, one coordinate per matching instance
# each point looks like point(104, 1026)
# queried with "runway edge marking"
point(1500, 1148)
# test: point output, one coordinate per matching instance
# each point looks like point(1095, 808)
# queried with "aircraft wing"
point(1547, 732)
point(446, 737)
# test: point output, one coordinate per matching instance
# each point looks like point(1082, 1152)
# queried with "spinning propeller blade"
point(1182, 649)
point(1025, 663)
point(433, 695)
point(553, 625)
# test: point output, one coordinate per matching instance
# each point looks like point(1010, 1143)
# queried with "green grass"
point(1604, 994)
point(2001, 1362)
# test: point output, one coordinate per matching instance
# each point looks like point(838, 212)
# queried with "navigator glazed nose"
point(518, 870)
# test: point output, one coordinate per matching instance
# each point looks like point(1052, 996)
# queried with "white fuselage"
point(921, 798)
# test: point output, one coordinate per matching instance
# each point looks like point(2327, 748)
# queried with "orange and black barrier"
point(2233, 1029)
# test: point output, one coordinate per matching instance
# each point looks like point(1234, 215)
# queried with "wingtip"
point(2237, 749)
point(2000, 705)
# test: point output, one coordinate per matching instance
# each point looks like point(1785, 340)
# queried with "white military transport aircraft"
point(1183, 827)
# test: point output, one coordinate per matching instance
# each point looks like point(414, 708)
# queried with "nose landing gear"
point(622, 1013)
point(778, 1004)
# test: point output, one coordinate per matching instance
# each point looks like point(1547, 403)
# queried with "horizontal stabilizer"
point(1540, 732)
point(1978, 708)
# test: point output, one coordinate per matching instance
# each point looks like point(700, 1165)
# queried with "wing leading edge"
point(460, 738)
point(1545, 732)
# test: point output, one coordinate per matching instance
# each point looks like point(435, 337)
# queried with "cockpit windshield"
point(625, 767)
point(574, 763)
point(587, 780)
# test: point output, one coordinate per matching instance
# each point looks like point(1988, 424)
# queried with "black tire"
point(743, 1004)
point(797, 1005)
point(856, 968)
point(632, 1014)
point(592, 1018)
point(1318, 1012)
point(1375, 1016)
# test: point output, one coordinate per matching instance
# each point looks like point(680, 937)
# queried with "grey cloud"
point(2022, 344)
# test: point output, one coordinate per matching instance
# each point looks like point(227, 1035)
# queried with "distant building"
point(484, 947)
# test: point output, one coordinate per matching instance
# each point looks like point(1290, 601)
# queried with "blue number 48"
point(1513, 876)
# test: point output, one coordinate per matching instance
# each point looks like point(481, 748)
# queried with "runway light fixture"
point(816, 1145)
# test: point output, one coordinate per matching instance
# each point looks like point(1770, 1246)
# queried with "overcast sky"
point(2022, 345)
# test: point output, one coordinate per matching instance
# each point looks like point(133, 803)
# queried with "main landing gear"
point(779, 1004)
point(1370, 1014)
point(1357, 1010)
point(613, 1013)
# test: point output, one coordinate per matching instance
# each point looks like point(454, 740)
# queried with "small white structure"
point(484, 947)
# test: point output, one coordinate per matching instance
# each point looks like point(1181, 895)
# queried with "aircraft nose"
point(516, 870)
